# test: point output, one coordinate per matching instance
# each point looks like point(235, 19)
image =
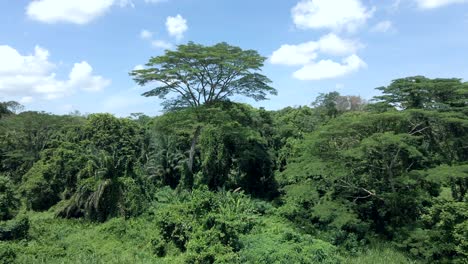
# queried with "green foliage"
point(234, 157)
point(380, 253)
point(166, 162)
point(120, 138)
point(275, 242)
point(454, 177)
point(9, 200)
point(207, 247)
point(422, 92)
point(24, 136)
point(54, 176)
point(342, 181)
point(199, 75)
point(38, 189)
point(106, 184)
point(7, 253)
point(9, 108)
point(442, 236)
point(16, 228)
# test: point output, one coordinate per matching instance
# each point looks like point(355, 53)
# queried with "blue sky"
point(65, 55)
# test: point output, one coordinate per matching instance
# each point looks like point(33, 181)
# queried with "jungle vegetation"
point(342, 180)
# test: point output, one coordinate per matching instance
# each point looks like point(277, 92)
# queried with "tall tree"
point(9, 107)
point(419, 92)
point(195, 75)
point(198, 75)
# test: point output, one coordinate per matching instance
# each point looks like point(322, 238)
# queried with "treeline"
point(255, 186)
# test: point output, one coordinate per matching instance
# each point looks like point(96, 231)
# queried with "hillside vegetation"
point(213, 181)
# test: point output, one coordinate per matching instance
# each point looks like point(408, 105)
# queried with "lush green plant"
point(16, 228)
point(341, 179)
point(7, 253)
point(9, 200)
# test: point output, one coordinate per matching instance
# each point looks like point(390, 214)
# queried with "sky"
point(60, 56)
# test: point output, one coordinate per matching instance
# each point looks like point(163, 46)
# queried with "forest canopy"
point(342, 180)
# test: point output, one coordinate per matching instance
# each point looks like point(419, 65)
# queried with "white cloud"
point(382, 27)
point(124, 3)
point(30, 76)
point(71, 11)
point(146, 34)
point(395, 5)
point(138, 67)
point(161, 44)
point(26, 100)
point(295, 54)
point(176, 26)
point(155, 43)
point(336, 15)
point(429, 4)
point(333, 45)
point(327, 69)
point(82, 76)
point(305, 53)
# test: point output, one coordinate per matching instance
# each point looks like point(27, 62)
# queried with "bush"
point(7, 253)
point(175, 226)
point(207, 246)
point(159, 247)
point(442, 236)
point(9, 202)
point(38, 187)
point(276, 242)
point(14, 229)
point(133, 198)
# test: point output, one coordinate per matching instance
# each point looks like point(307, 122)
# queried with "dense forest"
point(342, 180)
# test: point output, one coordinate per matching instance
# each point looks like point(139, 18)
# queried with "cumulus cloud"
point(30, 76)
point(295, 54)
point(26, 100)
point(146, 34)
point(155, 43)
point(429, 4)
point(382, 27)
point(138, 67)
point(176, 26)
point(71, 11)
point(161, 44)
point(336, 15)
point(328, 69)
point(304, 53)
point(81, 76)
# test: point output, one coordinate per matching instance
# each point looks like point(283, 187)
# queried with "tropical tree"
point(9, 107)
point(421, 92)
point(195, 75)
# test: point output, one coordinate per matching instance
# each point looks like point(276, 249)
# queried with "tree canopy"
point(379, 181)
point(195, 75)
point(422, 92)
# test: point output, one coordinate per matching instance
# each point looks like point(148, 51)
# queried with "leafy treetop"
point(195, 75)
point(419, 92)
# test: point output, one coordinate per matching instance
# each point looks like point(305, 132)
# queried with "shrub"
point(207, 246)
point(276, 242)
point(38, 187)
point(17, 228)
point(175, 225)
point(442, 236)
point(7, 253)
point(9, 202)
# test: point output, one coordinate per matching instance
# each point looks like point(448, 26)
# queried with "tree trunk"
point(195, 138)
